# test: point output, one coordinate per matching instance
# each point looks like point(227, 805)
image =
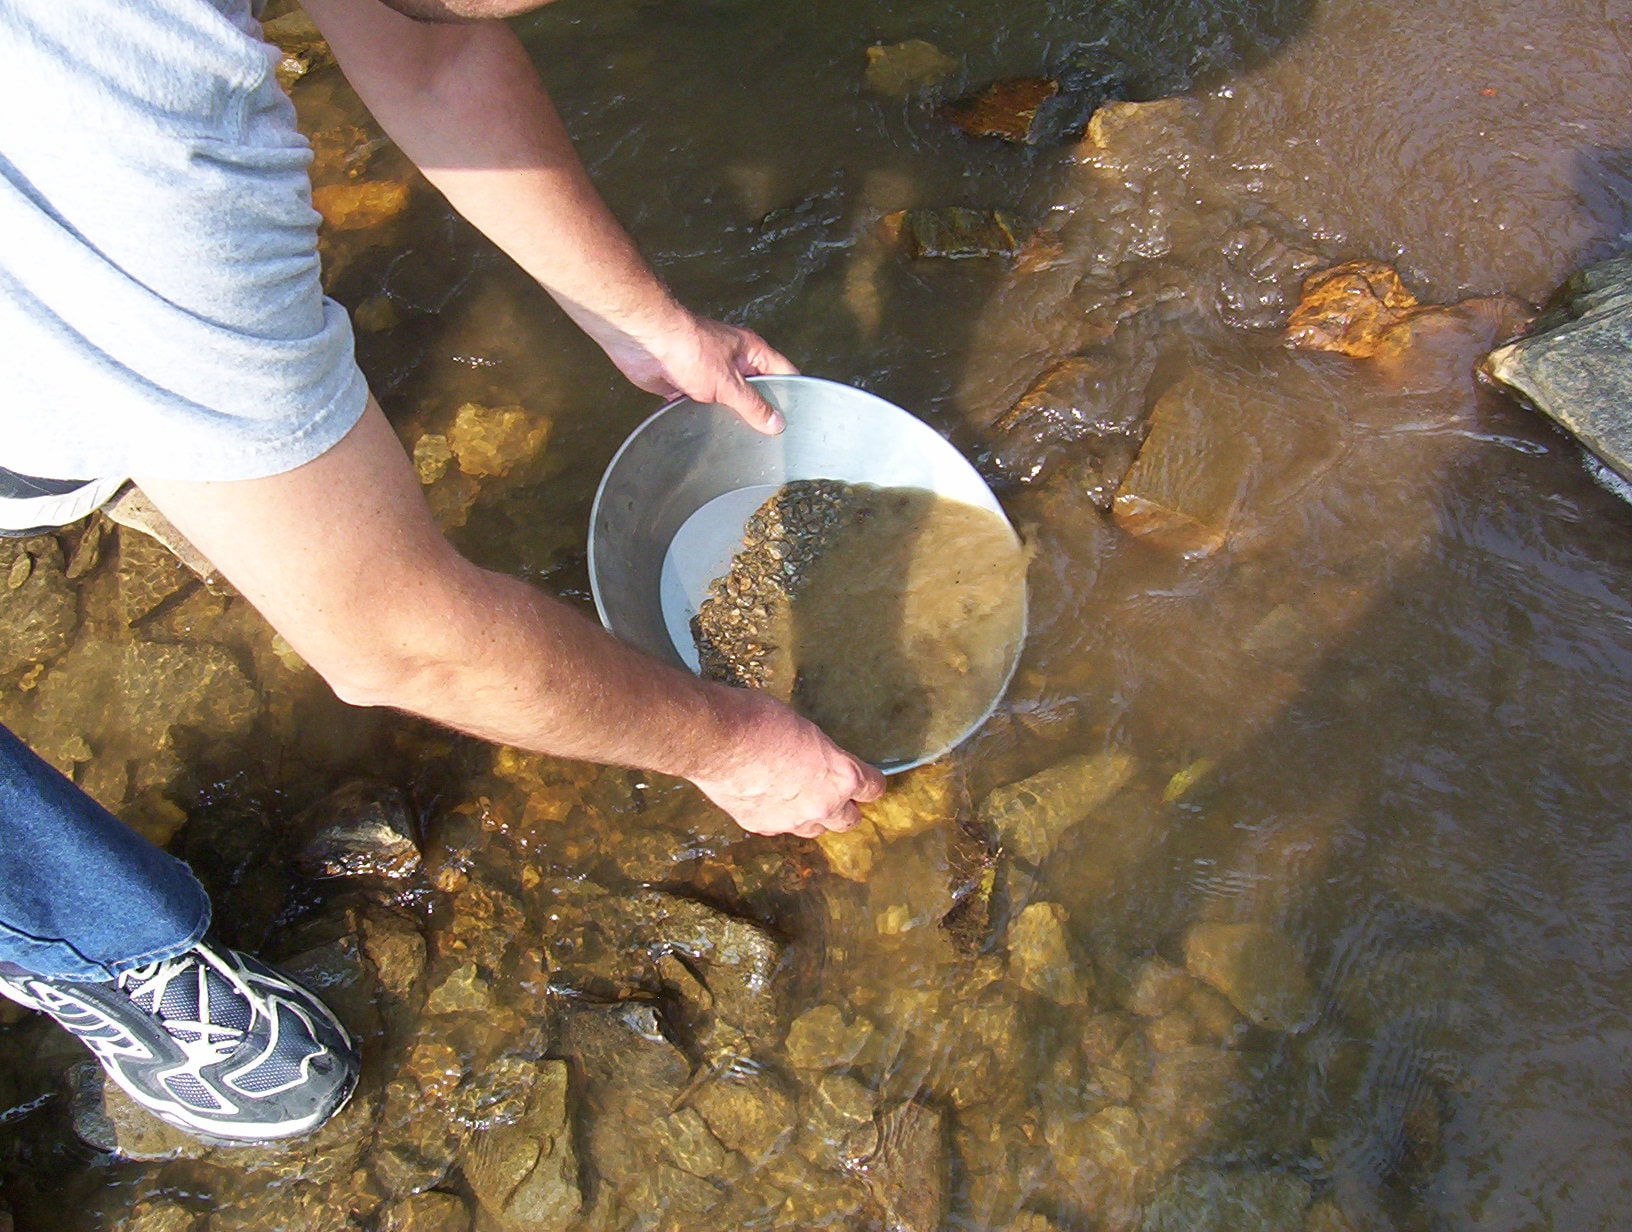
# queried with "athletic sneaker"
point(213, 1041)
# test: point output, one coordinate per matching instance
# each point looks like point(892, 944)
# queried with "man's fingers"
point(757, 413)
point(762, 359)
point(810, 829)
point(872, 783)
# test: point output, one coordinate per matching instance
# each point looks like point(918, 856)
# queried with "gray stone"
point(1201, 1199)
point(1577, 367)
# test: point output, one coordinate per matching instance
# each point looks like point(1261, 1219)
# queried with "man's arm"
point(342, 557)
point(466, 106)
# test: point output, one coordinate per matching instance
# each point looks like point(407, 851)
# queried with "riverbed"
point(1311, 912)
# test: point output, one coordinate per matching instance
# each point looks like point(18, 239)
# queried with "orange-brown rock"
point(1349, 308)
point(1006, 109)
point(358, 207)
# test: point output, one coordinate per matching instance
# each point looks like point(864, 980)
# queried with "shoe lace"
point(204, 1041)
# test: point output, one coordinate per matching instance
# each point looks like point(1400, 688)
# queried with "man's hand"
point(784, 776)
point(703, 360)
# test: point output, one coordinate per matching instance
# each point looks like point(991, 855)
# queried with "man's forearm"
point(465, 104)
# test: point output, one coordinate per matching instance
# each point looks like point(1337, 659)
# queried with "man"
point(161, 318)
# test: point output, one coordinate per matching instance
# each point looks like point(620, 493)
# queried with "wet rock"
point(493, 440)
point(397, 951)
point(898, 70)
point(485, 923)
point(1241, 1200)
point(852, 853)
point(360, 206)
point(461, 991)
point(748, 1114)
point(525, 1174)
point(1040, 957)
point(1006, 109)
point(87, 553)
point(131, 509)
point(425, 1212)
point(363, 830)
point(1349, 309)
point(953, 231)
point(38, 609)
point(916, 801)
point(339, 974)
point(1257, 968)
point(157, 1216)
point(1190, 478)
point(820, 1038)
point(300, 43)
point(107, 1120)
point(1076, 409)
point(148, 575)
point(432, 456)
point(690, 1145)
point(840, 1116)
point(908, 1175)
point(1574, 367)
point(1032, 814)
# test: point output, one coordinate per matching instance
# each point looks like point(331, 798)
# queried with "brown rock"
point(360, 206)
point(749, 1115)
point(908, 1175)
point(38, 614)
point(1190, 477)
point(1075, 410)
point(1257, 968)
point(425, 1212)
point(492, 440)
point(300, 43)
point(1349, 309)
point(1006, 109)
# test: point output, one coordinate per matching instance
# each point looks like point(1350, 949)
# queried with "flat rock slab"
point(1577, 368)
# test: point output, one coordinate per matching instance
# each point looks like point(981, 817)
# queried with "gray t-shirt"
point(160, 306)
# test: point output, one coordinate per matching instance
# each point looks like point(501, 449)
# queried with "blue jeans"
point(83, 896)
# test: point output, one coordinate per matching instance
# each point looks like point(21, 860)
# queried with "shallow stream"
point(1317, 916)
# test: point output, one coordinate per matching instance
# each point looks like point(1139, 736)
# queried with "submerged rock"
point(300, 43)
point(363, 829)
point(1075, 410)
point(953, 231)
point(821, 1038)
point(38, 609)
point(908, 1174)
point(1031, 815)
point(425, 1212)
point(360, 206)
point(1006, 109)
point(525, 1173)
point(748, 1113)
point(1577, 367)
point(1040, 957)
point(1257, 968)
point(898, 70)
point(493, 440)
point(1198, 1198)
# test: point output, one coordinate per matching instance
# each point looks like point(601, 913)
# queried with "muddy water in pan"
point(890, 616)
point(1289, 887)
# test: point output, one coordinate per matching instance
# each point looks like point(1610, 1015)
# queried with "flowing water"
point(1311, 912)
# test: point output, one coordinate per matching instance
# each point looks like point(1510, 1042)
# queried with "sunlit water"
point(1386, 719)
